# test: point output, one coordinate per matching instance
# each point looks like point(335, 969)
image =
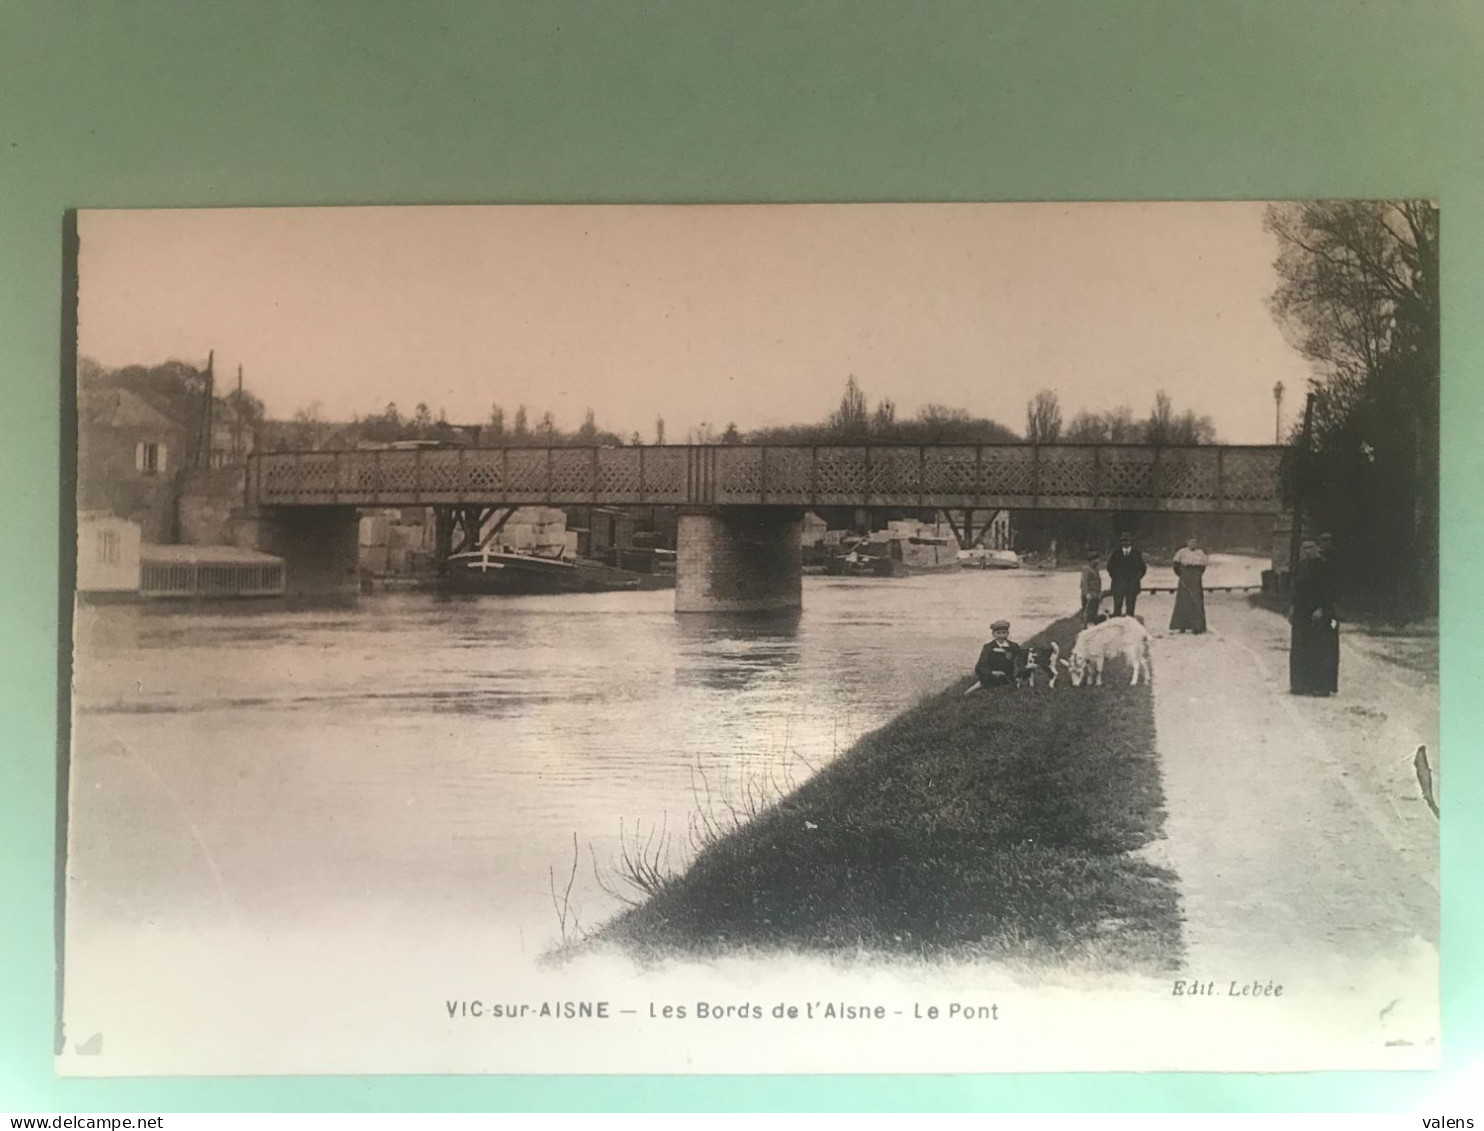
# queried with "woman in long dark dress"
point(1190, 597)
point(1314, 653)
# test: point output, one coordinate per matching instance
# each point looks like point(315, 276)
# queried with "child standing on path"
point(1092, 590)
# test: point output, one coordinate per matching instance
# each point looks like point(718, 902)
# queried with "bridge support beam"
point(739, 560)
point(319, 546)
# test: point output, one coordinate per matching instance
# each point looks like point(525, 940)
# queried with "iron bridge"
point(1127, 477)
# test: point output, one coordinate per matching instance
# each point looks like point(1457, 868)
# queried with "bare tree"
point(1188, 428)
point(1043, 418)
point(1122, 428)
point(89, 371)
point(1163, 426)
point(851, 419)
point(1088, 428)
point(1358, 278)
point(307, 424)
point(1160, 427)
point(1358, 296)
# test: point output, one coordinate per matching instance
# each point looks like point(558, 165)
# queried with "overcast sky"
point(751, 314)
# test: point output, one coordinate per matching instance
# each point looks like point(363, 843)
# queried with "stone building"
point(129, 454)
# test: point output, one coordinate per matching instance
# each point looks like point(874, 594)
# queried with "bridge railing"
point(1209, 478)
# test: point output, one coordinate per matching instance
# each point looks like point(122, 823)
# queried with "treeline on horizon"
point(855, 422)
point(852, 422)
point(177, 388)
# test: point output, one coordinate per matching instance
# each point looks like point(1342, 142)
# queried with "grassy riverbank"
point(1000, 825)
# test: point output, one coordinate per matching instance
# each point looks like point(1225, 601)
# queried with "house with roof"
point(128, 455)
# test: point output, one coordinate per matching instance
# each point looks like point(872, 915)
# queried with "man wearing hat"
point(999, 659)
point(1125, 572)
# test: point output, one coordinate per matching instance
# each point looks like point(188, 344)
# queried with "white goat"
point(1120, 636)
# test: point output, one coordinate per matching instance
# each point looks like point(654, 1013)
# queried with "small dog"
point(1121, 636)
point(1040, 661)
point(1031, 661)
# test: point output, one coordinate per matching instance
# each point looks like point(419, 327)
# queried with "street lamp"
point(1278, 413)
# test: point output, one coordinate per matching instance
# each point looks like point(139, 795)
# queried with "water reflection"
point(432, 757)
point(736, 653)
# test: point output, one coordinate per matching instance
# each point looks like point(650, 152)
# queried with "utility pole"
point(1278, 413)
point(1296, 535)
point(203, 447)
point(237, 431)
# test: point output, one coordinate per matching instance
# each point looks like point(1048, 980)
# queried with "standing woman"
point(1190, 598)
point(1314, 653)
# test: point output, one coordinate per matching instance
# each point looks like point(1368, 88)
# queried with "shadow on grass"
point(1001, 824)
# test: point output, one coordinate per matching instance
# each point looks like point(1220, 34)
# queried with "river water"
point(424, 758)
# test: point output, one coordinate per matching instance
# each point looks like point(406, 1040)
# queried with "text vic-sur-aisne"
point(712, 1011)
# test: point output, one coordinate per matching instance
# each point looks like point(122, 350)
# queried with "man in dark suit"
point(1125, 571)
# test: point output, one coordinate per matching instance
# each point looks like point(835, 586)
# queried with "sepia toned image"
point(809, 638)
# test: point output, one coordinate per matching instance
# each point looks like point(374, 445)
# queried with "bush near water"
point(1002, 824)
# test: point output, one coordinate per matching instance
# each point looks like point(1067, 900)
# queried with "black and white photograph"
point(848, 638)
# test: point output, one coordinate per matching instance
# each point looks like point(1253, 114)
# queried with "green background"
point(116, 103)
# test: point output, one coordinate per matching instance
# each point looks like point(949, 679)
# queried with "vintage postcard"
point(755, 639)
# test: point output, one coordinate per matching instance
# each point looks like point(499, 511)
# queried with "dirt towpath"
point(1304, 847)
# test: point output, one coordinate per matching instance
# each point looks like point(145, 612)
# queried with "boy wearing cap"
point(1000, 659)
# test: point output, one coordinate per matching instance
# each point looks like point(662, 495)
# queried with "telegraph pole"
point(1296, 536)
point(203, 446)
point(1278, 413)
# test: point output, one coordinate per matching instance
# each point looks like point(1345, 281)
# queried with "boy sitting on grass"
point(999, 661)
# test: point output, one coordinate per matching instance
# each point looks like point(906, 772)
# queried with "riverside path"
point(1305, 851)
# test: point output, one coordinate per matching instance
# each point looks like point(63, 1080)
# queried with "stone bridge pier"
point(320, 547)
point(739, 559)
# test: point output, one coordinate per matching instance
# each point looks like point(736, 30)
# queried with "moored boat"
point(859, 563)
point(980, 558)
point(653, 566)
point(891, 557)
point(508, 571)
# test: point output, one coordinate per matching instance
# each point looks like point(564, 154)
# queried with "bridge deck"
point(1207, 478)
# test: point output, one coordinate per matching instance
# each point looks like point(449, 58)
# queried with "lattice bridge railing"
point(1210, 478)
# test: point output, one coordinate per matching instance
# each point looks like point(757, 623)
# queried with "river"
point(436, 755)
point(286, 799)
